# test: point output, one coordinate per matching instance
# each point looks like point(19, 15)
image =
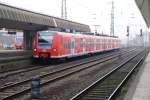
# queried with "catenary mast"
point(63, 9)
point(112, 20)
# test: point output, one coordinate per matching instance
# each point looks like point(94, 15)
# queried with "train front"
point(43, 44)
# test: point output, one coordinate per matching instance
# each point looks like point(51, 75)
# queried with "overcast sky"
point(90, 12)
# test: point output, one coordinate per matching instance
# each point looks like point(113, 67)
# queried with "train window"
point(65, 45)
point(61, 42)
point(87, 43)
point(45, 39)
point(72, 44)
point(68, 44)
point(81, 43)
point(19, 39)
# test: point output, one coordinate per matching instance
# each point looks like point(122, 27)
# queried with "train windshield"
point(45, 39)
point(19, 40)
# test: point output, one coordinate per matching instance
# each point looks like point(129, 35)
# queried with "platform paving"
point(142, 89)
point(4, 51)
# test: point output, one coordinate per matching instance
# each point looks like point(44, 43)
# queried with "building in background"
point(11, 39)
point(6, 40)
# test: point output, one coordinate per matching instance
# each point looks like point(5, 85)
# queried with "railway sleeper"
point(95, 98)
point(100, 93)
point(106, 95)
point(106, 86)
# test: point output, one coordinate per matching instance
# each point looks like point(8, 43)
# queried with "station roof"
point(18, 18)
point(144, 7)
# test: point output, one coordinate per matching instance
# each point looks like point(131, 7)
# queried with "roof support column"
point(28, 39)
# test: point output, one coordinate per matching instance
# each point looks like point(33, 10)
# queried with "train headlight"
point(34, 49)
point(55, 50)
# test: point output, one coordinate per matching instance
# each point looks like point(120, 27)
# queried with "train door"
point(113, 43)
point(72, 46)
point(100, 45)
point(103, 43)
point(94, 44)
point(84, 49)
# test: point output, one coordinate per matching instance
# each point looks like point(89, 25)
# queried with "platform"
point(14, 53)
point(3, 51)
point(140, 88)
point(14, 59)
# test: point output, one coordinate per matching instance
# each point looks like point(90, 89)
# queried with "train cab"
point(43, 44)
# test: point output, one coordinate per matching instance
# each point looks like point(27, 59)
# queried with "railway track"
point(35, 67)
point(10, 78)
point(23, 87)
point(108, 86)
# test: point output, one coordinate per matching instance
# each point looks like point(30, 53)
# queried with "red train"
point(50, 44)
point(19, 46)
point(19, 42)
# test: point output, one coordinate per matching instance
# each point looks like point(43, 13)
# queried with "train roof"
point(84, 33)
point(105, 35)
point(90, 34)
